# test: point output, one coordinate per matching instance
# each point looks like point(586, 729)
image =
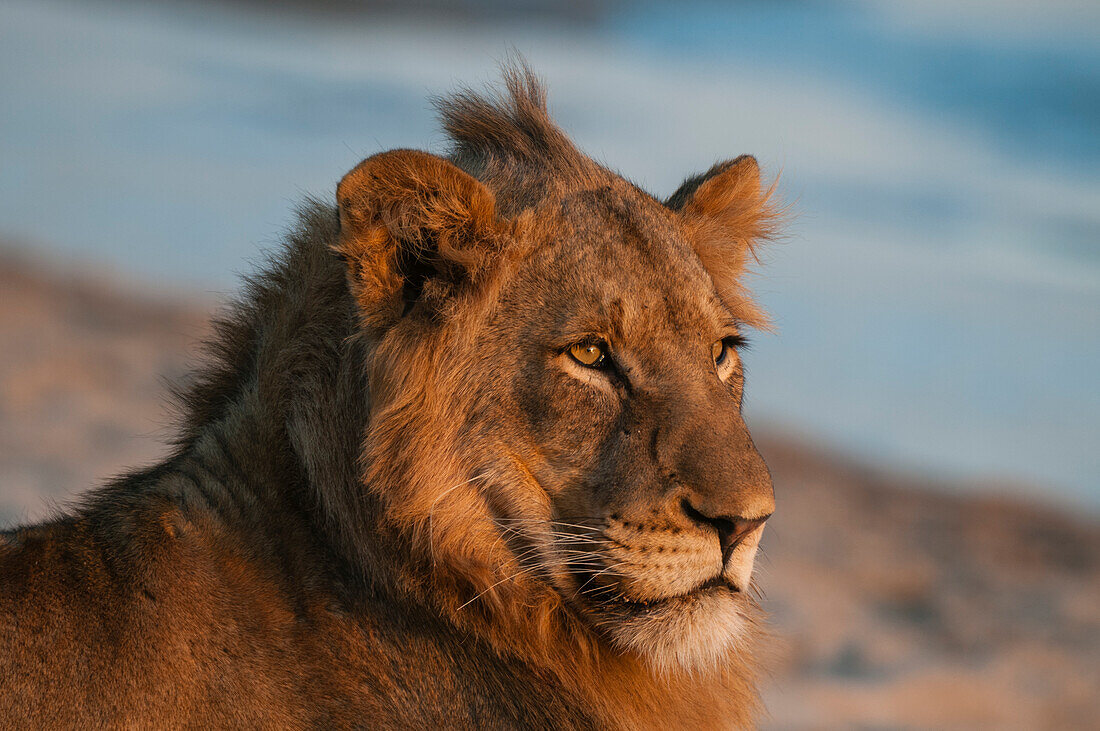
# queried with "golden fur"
point(399, 502)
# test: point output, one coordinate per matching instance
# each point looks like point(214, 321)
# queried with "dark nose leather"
point(731, 529)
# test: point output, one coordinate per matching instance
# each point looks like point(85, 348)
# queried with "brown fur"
point(398, 503)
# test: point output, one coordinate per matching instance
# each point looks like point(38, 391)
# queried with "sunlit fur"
point(395, 499)
point(506, 542)
point(696, 633)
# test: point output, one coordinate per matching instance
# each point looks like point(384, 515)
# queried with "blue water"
point(938, 299)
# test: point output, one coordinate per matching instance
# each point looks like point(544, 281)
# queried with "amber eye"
point(719, 351)
point(724, 354)
point(590, 355)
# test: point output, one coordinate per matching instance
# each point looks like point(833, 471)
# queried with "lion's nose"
point(732, 529)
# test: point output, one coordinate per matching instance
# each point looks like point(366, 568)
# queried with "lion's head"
point(556, 382)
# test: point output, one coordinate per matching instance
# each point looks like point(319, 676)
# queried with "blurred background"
point(930, 403)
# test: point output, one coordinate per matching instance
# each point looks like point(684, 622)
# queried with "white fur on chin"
point(693, 634)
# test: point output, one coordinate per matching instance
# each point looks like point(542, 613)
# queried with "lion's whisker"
point(593, 577)
point(544, 523)
point(490, 587)
point(548, 521)
point(431, 513)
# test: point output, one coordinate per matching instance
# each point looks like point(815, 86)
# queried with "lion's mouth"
point(604, 595)
point(712, 586)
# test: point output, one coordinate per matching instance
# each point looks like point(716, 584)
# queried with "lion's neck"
point(286, 392)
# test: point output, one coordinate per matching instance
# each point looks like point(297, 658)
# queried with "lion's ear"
point(727, 212)
point(413, 229)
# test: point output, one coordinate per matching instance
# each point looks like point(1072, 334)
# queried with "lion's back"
point(89, 637)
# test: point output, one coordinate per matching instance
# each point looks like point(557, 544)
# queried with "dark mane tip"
point(509, 124)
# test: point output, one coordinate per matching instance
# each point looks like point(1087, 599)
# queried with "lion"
point(470, 455)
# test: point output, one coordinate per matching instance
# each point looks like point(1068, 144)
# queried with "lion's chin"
point(695, 633)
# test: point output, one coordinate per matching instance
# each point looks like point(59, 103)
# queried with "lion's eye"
point(590, 355)
point(724, 354)
point(718, 351)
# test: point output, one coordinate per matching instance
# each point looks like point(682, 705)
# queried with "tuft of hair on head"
point(505, 136)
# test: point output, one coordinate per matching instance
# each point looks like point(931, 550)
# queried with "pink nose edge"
point(731, 531)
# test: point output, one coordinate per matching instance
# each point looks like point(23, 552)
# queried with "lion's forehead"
point(619, 258)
